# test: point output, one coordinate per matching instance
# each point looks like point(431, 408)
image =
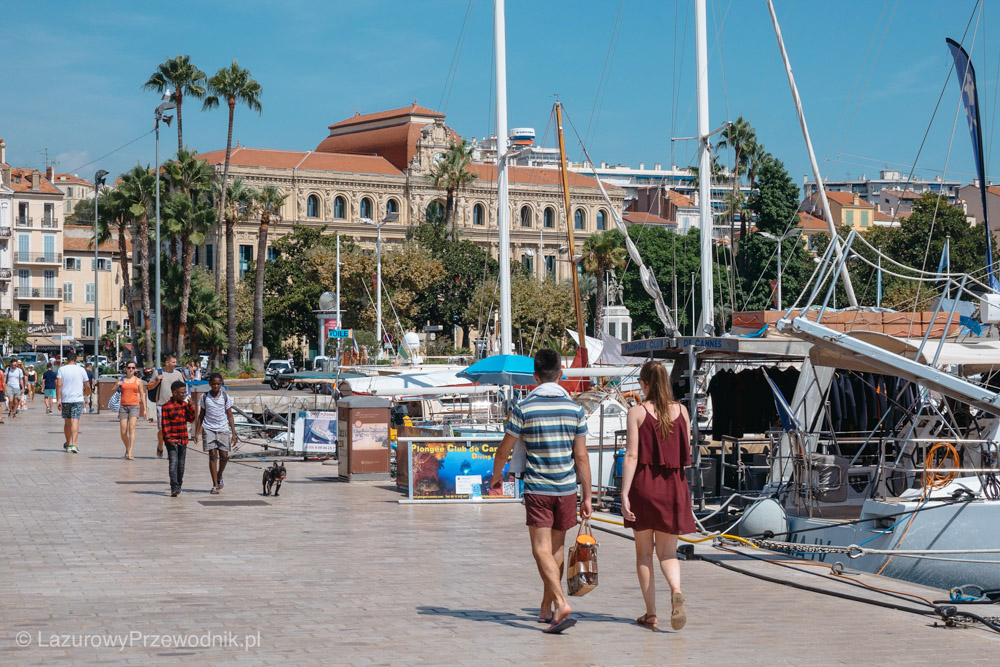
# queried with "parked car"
point(273, 369)
point(34, 358)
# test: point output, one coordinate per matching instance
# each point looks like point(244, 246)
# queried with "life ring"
point(632, 397)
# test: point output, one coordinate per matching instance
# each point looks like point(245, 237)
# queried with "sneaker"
point(174, 494)
point(221, 484)
point(214, 490)
point(73, 449)
point(65, 447)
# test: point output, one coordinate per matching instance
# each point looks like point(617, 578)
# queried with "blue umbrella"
point(505, 369)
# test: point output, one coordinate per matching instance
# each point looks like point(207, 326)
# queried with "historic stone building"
point(376, 164)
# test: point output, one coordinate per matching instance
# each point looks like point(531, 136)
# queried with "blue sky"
point(869, 72)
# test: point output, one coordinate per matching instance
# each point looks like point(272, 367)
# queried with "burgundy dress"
point(660, 497)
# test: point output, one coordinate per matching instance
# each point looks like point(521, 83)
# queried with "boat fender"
point(765, 515)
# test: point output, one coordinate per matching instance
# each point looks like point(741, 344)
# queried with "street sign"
point(433, 328)
point(339, 333)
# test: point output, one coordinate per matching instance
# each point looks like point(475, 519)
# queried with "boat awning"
point(971, 356)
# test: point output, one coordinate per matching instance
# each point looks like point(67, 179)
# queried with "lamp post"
point(99, 180)
point(158, 115)
point(787, 235)
point(390, 217)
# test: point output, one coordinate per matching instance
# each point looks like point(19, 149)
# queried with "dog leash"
point(239, 463)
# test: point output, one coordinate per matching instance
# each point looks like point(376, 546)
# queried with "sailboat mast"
point(706, 323)
point(503, 210)
point(834, 239)
point(581, 331)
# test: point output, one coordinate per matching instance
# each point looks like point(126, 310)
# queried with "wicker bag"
point(581, 575)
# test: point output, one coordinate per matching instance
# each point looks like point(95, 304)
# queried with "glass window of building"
point(312, 206)
point(246, 257)
point(478, 215)
point(601, 220)
point(526, 216)
point(578, 219)
point(366, 208)
point(549, 218)
point(339, 208)
point(391, 207)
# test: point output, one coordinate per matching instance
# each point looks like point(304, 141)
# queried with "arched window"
point(549, 218)
point(312, 206)
point(526, 216)
point(478, 215)
point(366, 208)
point(339, 208)
point(601, 220)
point(578, 219)
point(391, 206)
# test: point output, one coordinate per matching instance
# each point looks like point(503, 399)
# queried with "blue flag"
point(945, 261)
point(967, 81)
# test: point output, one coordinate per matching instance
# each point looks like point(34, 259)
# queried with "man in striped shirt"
point(554, 431)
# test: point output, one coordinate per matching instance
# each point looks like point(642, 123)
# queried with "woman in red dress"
point(656, 500)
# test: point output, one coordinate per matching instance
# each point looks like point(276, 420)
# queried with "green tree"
point(189, 217)
point(540, 311)
point(13, 333)
point(775, 202)
point(602, 253)
point(137, 194)
point(182, 78)
point(234, 85)
point(451, 173)
point(239, 206)
point(267, 204)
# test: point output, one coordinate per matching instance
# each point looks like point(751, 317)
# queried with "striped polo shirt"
point(548, 425)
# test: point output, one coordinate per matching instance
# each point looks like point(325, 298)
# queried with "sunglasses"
point(130, 368)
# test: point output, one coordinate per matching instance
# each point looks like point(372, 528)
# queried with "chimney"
point(36, 179)
point(50, 173)
point(857, 200)
point(642, 166)
point(3, 152)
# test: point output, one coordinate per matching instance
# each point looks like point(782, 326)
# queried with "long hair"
point(659, 393)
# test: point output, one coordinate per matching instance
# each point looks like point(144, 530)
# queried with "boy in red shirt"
point(176, 414)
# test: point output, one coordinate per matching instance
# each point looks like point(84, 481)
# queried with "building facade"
point(848, 209)
point(376, 166)
point(971, 200)
point(888, 179)
point(74, 189)
point(37, 252)
point(81, 285)
point(6, 233)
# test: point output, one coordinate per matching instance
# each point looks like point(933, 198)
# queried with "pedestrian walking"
point(175, 415)
point(92, 382)
point(656, 500)
point(554, 431)
point(72, 384)
point(15, 385)
point(32, 380)
point(216, 426)
point(162, 381)
point(49, 387)
point(3, 392)
point(131, 408)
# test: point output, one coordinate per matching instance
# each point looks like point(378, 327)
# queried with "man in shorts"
point(554, 431)
point(215, 423)
point(167, 376)
point(15, 385)
point(70, 383)
point(49, 387)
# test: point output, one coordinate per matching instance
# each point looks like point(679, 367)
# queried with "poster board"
point(456, 470)
point(316, 432)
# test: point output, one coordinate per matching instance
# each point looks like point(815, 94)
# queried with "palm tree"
point(137, 192)
point(190, 215)
point(233, 84)
point(239, 205)
point(114, 220)
point(602, 253)
point(183, 78)
point(268, 203)
point(742, 138)
point(205, 314)
point(716, 168)
point(450, 173)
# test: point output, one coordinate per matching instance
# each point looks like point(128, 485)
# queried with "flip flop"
point(543, 620)
point(646, 623)
point(557, 628)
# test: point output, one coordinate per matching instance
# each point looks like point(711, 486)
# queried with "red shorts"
point(555, 512)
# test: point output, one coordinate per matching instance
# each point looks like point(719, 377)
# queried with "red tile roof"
point(77, 244)
point(637, 218)
point(25, 175)
point(677, 199)
point(308, 160)
point(412, 110)
point(881, 216)
point(396, 143)
point(845, 199)
point(70, 178)
point(812, 223)
point(535, 175)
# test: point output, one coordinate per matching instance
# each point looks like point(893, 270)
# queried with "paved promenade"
point(94, 550)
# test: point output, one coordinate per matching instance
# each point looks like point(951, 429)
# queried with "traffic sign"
point(339, 333)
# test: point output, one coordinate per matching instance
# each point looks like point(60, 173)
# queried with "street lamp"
point(99, 180)
point(787, 235)
point(158, 115)
point(390, 217)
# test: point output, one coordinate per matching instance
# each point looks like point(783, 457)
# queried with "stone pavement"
point(94, 550)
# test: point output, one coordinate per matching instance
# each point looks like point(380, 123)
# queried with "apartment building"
point(81, 284)
point(37, 208)
point(6, 230)
point(74, 189)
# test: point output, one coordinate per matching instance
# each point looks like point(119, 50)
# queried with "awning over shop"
point(51, 341)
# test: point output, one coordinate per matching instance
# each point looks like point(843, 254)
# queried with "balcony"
point(5, 274)
point(23, 221)
point(39, 293)
point(38, 258)
point(48, 222)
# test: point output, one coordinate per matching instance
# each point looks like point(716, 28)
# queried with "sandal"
point(678, 616)
point(647, 621)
